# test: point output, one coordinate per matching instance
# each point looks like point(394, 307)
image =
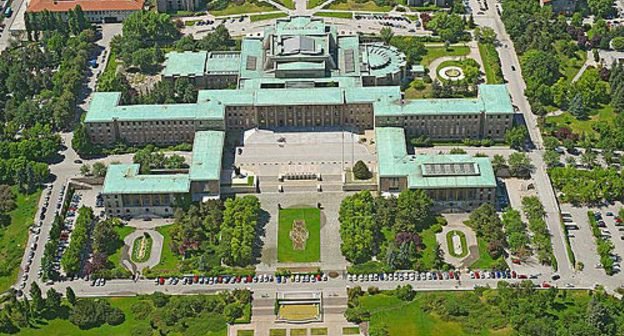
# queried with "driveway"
point(157, 245)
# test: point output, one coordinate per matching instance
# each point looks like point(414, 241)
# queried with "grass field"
point(245, 8)
point(295, 312)
point(277, 332)
point(290, 4)
point(485, 261)
point(340, 15)
point(408, 318)
point(428, 254)
point(437, 52)
point(351, 5)
point(268, 16)
point(570, 66)
point(491, 64)
point(115, 258)
point(14, 237)
point(299, 332)
point(285, 251)
point(605, 113)
point(351, 331)
point(449, 241)
point(168, 260)
point(245, 333)
point(318, 331)
point(314, 3)
point(412, 92)
point(205, 325)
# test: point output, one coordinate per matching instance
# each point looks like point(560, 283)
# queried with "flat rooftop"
point(491, 99)
point(429, 171)
point(188, 63)
point(207, 154)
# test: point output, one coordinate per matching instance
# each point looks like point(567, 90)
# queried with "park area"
point(299, 312)
point(14, 236)
point(299, 235)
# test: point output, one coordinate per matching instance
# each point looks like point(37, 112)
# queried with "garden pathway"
point(157, 246)
point(474, 54)
point(455, 223)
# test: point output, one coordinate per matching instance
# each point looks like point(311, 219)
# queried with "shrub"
point(141, 310)
point(405, 293)
point(421, 141)
point(357, 314)
point(361, 171)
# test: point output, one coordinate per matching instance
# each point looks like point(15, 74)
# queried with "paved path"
point(474, 54)
point(157, 246)
point(471, 243)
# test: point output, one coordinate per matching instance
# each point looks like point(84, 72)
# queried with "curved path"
point(474, 54)
point(157, 245)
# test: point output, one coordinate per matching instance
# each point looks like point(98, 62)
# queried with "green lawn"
point(277, 332)
point(569, 67)
point(437, 52)
point(290, 4)
point(248, 6)
point(417, 91)
point(314, 3)
point(605, 113)
point(268, 16)
point(408, 318)
point(285, 251)
point(352, 5)
point(340, 15)
point(168, 260)
point(115, 258)
point(58, 327)
point(449, 241)
point(245, 333)
point(350, 331)
point(190, 23)
point(491, 64)
point(298, 332)
point(485, 261)
point(428, 254)
point(318, 331)
point(14, 237)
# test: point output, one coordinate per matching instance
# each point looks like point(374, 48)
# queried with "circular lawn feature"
point(456, 243)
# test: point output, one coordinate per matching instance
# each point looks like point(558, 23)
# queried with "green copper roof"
point(207, 153)
point(393, 161)
point(316, 96)
point(188, 63)
point(125, 179)
point(371, 94)
point(301, 66)
point(492, 99)
point(104, 107)
point(252, 58)
point(223, 63)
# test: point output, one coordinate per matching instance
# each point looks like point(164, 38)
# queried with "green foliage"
point(361, 171)
point(421, 141)
point(604, 246)
point(457, 150)
point(486, 223)
point(75, 253)
point(618, 43)
point(238, 230)
point(198, 227)
point(601, 8)
point(87, 314)
point(552, 158)
point(516, 233)
point(450, 27)
point(534, 212)
point(357, 227)
point(519, 164)
point(149, 158)
point(587, 186)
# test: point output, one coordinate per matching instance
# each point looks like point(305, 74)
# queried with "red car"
point(477, 275)
point(513, 274)
point(618, 219)
point(195, 278)
point(451, 275)
point(546, 285)
point(161, 281)
point(516, 261)
point(522, 276)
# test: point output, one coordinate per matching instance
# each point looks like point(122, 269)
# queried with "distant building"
point(94, 10)
point(560, 6)
point(177, 5)
point(421, 3)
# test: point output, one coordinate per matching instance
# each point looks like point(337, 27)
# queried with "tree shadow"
point(263, 218)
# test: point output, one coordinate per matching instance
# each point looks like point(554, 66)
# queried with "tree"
point(450, 27)
point(485, 34)
point(232, 311)
point(413, 208)
point(457, 150)
point(551, 143)
point(70, 295)
point(617, 43)
point(38, 304)
point(99, 169)
point(519, 164)
point(81, 142)
point(600, 8)
point(599, 316)
point(540, 67)
point(386, 34)
point(53, 301)
point(361, 171)
point(240, 218)
point(7, 199)
point(498, 162)
point(85, 169)
point(516, 136)
point(356, 314)
point(577, 107)
point(551, 158)
point(588, 158)
point(571, 161)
